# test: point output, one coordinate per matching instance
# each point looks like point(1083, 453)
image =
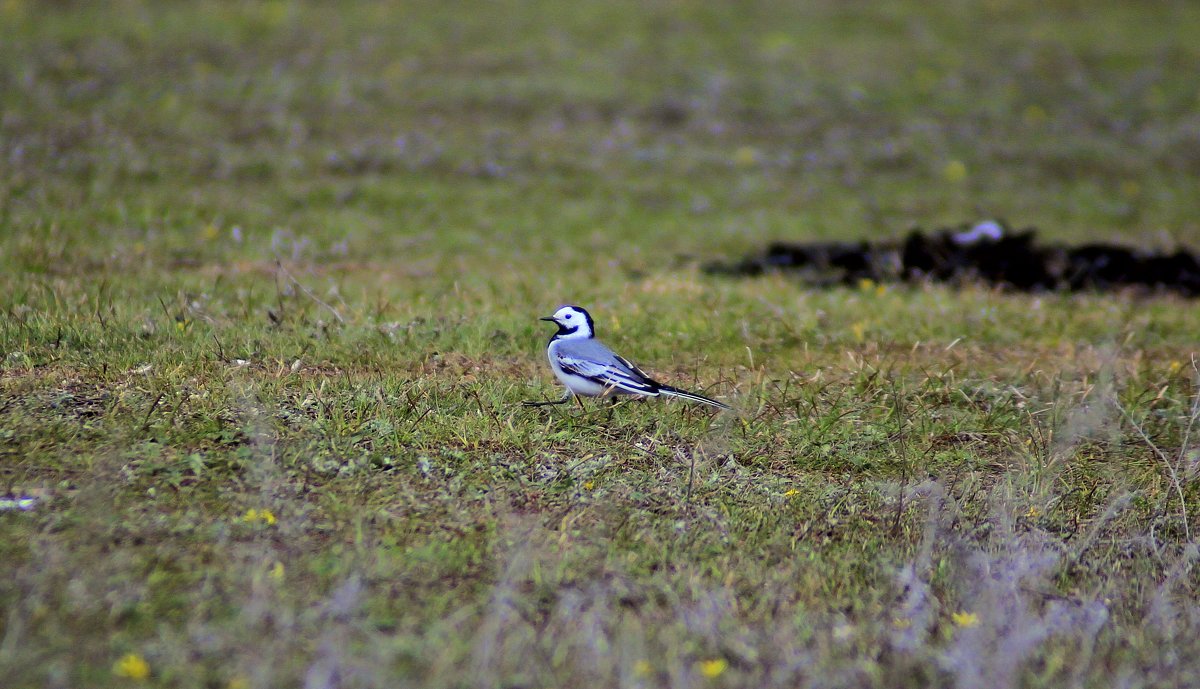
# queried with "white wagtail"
point(590, 369)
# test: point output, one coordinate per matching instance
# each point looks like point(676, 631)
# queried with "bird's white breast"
point(576, 384)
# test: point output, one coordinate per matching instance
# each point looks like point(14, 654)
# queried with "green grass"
point(289, 257)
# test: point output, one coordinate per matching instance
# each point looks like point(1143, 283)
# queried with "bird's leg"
point(565, 398)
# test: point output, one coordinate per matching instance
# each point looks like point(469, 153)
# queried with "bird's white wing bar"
point(608, 375)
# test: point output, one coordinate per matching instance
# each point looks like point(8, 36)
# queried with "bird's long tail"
point(683, 394)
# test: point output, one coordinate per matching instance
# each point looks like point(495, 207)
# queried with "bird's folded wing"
point(625, 377)
point(629, 365)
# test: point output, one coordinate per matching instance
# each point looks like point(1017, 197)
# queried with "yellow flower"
point(1174, 367)
point(588, 485)
point(1033, 512)
point(1034, 115)
point(955, 171)
point(396, 70)
point(791, 492)
point(253, 516)
point(642, 668)
point(1131, 189)
point(713, 668)
point(860, 330)
point(965, 619)
point(276, 572)
point(869, 285)
point(745, 156)
point(132, 666)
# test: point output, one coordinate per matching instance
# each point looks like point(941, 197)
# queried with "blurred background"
point(643, 130)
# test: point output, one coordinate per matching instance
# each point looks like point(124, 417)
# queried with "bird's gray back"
point(595, 351)
point(590, 349)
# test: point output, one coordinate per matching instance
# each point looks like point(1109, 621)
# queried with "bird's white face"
point(573, 322)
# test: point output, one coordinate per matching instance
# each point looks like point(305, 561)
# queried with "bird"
point(589, 369)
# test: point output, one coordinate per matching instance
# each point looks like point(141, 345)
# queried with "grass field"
point(270, 276)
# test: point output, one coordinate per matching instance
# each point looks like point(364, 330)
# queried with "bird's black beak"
point(547, 318)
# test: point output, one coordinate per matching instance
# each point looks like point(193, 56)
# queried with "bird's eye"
point(568, 316)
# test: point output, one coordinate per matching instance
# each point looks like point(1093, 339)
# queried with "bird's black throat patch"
point(563, 331)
